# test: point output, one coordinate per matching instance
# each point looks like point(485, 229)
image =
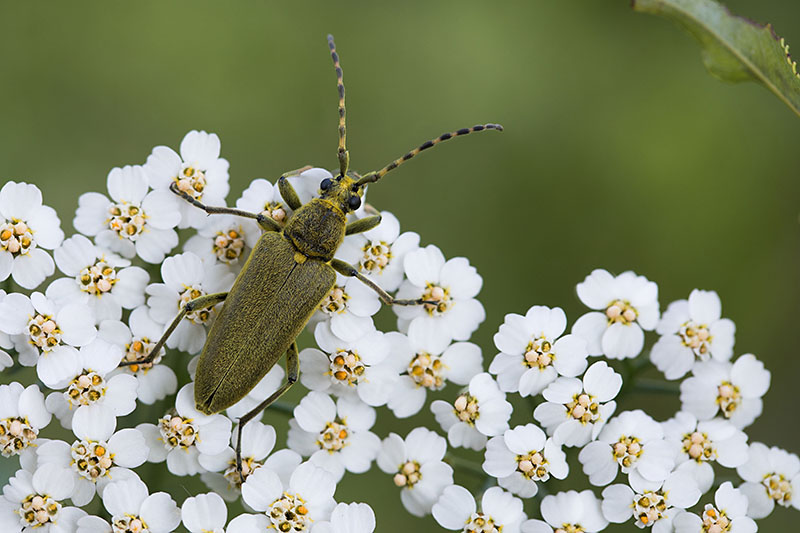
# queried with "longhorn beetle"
point(289, 272)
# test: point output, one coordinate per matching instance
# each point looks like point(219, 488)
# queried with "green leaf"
point(734, 48)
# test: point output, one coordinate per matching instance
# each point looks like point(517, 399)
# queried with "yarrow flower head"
point(336, 436)
point(576, 410)
point(533, 352)
point(568, 512)
point(523, 457)
point(624, 307)
point(348, 309)
point(198, 171)
point(732, 390)
point(44, 332)
point(632, 442)
point(133, 509)
point(27, 228)
point(421, 369)
point(22, 416)
point(692, 330)
point(379, 253)
point(456, 510)
point(417, 468)
point(706, 442)
point(772, 476)
point(349, 518)
point(453, 285)
point(480, 412)
point(727, 513)
point(184, 433)
point(224, 240)
point(34, 501)
point(134, 222)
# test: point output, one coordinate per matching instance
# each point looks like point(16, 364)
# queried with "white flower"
point(204, 513)
point(453, 284)
point(349, 518)
point(22, 416)
point(44, 332)
point(379, 252)
point(225, 240)
point(624, 306)
point(134, 222)
point(358, 368)
point(731, 390)
point(26, 226)
point(569, 511)
point(727, 513)
point(185, 433)
point(348, 308)
point(523, 456)
point(456, 510)
point(294, 506)
point(534, 352)
point(575, 410)
point(270, 383)
point(97, 460)
point(186, 278)
point(154, 381)
point(198, 171)
point(771, 475)
point(5, 342)
point(654, 505)
point(702, 443)
point(633, 442)
point(421, 368)
point(692, 331)
point(417, 466)
point(133, 509)
point(263, 197)
point(480, 412)
point(104, 282)
point(33, 502)
point(91, 402)
point(258, 440)
point(337, 435)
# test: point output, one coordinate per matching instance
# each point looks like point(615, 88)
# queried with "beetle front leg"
point(202, 302)
point(292, 371)
point(346, 269)
point(266, 223)
point(288, 193)
point(362, 224)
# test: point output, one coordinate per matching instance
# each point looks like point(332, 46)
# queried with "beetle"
point(287, 275)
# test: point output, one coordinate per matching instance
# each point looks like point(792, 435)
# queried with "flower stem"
point(655, 386)
point(459, 463)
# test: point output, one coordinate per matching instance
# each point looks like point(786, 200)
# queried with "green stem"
point(282, 407)
point(655, 386)
point(465, 464)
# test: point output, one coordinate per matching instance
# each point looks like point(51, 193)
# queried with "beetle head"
point(343, 191)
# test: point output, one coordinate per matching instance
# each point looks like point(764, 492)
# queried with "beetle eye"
point(354, 202)
point(326, 184)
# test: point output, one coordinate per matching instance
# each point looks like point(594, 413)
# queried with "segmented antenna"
point(372, 177)
point(344, 156)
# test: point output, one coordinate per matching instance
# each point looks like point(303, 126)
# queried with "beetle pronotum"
point(287, 275)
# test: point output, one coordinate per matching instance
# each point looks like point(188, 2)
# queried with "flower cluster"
point(116, 286)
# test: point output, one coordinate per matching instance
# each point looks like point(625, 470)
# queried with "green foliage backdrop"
point(620, 150)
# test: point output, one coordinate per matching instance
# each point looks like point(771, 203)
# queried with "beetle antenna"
point(374, 176)
point(344, 156)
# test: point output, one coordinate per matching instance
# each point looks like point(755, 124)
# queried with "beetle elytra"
point(287, 275)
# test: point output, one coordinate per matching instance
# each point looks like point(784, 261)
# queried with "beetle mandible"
point(287, 275)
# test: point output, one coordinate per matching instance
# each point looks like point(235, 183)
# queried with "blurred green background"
point(620, 151)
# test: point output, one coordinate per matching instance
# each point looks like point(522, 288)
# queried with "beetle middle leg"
point(292, 371)
point(346, 269)
point(266, 223)
point(203, 302)
point(362, 224)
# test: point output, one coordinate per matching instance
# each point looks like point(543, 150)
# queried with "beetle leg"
point(266, 223)
point(362, 224)
point(292, 371)
point(288, 193)
point(203, 302)
point(346, 269)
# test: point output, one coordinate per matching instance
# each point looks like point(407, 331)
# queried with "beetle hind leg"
point(348, 270)
point(203, 302)
point(292, 372)
point(266, 223)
